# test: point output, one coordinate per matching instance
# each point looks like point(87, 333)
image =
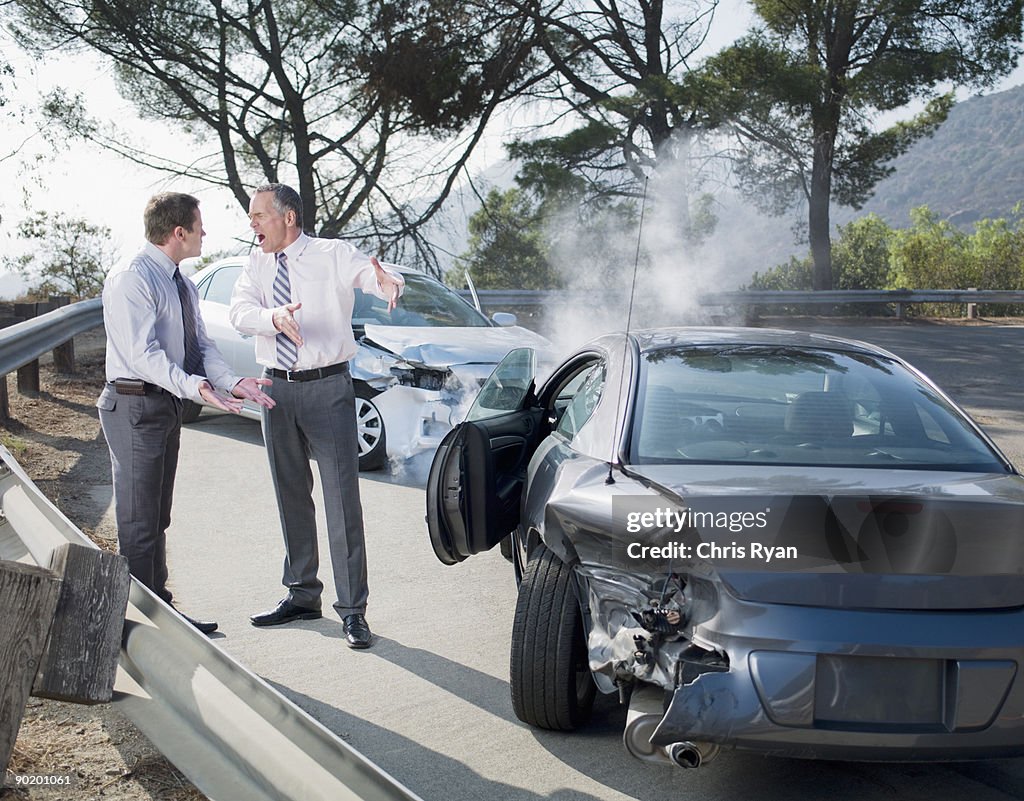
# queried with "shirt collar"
point(294, 250)
point(160, 258)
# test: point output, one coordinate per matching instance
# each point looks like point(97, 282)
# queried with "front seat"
point(819, 416)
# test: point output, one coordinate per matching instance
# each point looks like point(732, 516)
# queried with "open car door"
point(478, 472)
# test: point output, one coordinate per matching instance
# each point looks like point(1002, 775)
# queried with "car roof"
point(657, 338)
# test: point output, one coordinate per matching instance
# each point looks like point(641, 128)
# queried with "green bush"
point(929, 254)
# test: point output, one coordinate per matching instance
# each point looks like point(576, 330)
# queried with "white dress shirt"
point(145, 336)
point(323, 274)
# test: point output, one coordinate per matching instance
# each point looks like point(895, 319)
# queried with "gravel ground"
point(92, 750)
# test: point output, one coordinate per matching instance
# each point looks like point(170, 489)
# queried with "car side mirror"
point(504, 318)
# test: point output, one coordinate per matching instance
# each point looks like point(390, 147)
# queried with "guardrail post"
point(80, 660)
point(972, 308)
point(6, 319)
point(28, 600)
point(63, 355)
point(28, 374)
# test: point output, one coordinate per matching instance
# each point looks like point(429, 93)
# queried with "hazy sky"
point(86, 182)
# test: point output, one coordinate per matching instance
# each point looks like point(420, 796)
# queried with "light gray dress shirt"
point(323, 274)
point(145, 336)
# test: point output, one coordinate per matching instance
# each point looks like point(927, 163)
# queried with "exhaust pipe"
point(646, 709)
point(690, 754)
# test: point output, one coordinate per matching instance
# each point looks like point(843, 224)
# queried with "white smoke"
point(602, 267)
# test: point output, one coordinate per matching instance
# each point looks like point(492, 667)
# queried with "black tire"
point(373, 452)
point(552, 687)
point(190, 411)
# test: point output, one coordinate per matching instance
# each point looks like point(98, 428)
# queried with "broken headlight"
point(423, 377)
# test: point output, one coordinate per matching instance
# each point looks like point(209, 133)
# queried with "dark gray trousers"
point(317, 420)
point(143, 433)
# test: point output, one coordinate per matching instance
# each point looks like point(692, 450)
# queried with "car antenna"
point(629, 319)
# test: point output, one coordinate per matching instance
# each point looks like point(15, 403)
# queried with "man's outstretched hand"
point(252, 389)
point(389, 285)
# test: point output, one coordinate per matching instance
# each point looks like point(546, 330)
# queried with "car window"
point(218, 287)
point(507, 387)
point(577, 400)
point(424, 302)
point(791, 405)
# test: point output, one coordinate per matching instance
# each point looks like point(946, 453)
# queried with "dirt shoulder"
point(94, 752)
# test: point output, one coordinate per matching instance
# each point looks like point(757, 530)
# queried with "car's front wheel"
point(552, 687)
point(369, 430)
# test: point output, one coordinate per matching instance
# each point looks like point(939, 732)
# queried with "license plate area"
point(880, 694)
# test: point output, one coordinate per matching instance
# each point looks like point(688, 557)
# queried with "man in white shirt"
point(158, 353)
point(295, 297)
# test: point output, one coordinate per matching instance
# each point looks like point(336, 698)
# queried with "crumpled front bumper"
point(415, 419)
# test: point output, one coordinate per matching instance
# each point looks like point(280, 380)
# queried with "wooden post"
point(6, 319)
point(80, 660)
point(5, 403)
point(28, 599)
point(63, 355)
point(28, 374)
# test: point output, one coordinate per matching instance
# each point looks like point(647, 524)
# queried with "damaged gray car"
point(765, 540)
point(417, 369)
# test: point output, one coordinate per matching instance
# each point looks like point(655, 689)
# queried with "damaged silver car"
point(781, 542)
point(417, 369)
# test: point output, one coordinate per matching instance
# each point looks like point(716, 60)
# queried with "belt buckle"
point(288, 376)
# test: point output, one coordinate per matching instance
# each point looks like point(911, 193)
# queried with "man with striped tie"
point(158, 353)
point(295, 297)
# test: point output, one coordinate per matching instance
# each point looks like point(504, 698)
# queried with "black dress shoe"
point(357, 633)
point(285, 612)
point(205, 626)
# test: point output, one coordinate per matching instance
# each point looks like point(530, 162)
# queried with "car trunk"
point(855, 538)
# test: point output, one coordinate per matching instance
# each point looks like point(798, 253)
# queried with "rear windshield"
point(785, 405)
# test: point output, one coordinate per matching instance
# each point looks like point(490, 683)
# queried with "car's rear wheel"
point(369, 430)
point(552, 687)
point(190, 411)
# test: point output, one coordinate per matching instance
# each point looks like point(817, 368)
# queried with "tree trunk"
point(818, 225)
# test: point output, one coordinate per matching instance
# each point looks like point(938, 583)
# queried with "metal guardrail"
point(840, 296)
point(511, 297)
point(232, 734)
point(490, 298)
point(26, 341)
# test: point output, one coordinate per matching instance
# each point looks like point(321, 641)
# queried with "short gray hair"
point(285, 199)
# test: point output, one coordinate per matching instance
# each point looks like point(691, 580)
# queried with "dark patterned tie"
point(193, 355)
point(287, 351)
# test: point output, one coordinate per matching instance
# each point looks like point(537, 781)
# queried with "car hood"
point(866, 538)
point(445, 346)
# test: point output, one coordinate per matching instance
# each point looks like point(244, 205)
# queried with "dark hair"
point(167, 211)
point(285, 199)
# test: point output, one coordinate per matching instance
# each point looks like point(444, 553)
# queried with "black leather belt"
point(309, 375)
point(135, 386)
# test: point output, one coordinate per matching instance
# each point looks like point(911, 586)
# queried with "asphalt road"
point(430, 702)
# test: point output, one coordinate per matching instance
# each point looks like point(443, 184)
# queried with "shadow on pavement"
point(428, 773)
